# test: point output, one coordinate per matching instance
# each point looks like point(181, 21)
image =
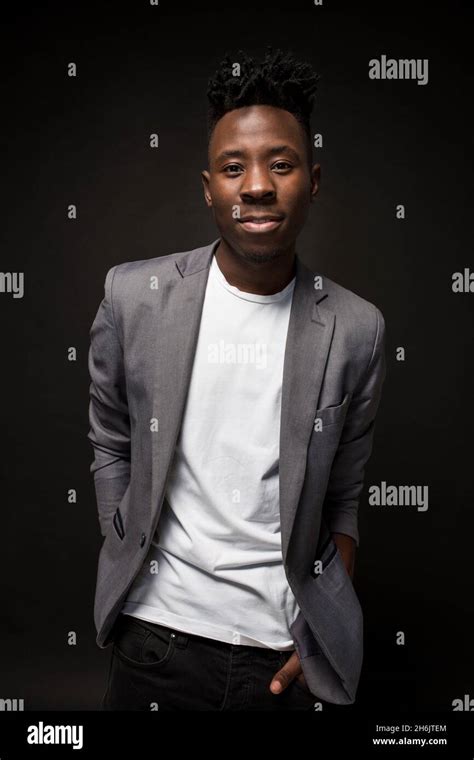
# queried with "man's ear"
point(315, 180)
point(205, 176)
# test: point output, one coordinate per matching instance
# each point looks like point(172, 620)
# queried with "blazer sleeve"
point(346, 480)
point(109, 431)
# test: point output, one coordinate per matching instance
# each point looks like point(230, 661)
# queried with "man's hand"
point(290, 670)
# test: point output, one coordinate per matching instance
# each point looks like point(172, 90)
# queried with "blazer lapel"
point(310, 332)
point(177, 317)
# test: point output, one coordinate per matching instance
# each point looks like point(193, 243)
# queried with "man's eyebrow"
point(271, 152)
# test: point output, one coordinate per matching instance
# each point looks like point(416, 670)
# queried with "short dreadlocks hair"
point(279, 80)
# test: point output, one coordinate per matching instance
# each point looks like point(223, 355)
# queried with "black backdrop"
point(84, 141)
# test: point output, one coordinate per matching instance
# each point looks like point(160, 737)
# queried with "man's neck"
point(265, 278)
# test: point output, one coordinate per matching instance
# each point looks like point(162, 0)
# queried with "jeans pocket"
point(137, 645)
point(302, 687)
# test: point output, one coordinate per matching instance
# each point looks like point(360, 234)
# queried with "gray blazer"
point(143, 340)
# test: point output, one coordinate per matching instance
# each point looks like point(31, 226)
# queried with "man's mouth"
point(260, 223)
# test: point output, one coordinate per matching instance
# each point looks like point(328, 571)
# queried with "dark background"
point(84, 140)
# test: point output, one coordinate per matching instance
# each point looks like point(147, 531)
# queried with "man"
point(232, 411)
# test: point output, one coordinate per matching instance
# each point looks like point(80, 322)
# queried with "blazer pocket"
point(118, 524)
point(325, 557)
point(334, 415)
point(329, 571)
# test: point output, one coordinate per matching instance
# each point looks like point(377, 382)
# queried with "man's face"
point(258, 167)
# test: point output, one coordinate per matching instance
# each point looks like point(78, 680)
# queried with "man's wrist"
point(347, 548)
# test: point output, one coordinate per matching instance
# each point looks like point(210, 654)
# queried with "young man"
point(232, 411)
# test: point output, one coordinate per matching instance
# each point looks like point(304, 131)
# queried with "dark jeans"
point(155, 667)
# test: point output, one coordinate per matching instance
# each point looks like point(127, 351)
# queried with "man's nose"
point(257, 184)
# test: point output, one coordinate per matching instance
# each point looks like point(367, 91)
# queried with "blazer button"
point(142, 539)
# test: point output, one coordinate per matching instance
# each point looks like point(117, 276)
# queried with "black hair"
point(279, 80)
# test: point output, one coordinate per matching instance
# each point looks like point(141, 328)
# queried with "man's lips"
point(260, 224)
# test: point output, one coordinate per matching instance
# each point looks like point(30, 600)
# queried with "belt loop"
point(181, 639)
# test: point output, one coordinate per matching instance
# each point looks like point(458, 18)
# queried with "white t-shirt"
point(214, 567)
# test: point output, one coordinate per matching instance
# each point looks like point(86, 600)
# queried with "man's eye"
point(283, 165)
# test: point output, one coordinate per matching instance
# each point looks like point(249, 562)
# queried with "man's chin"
point(260, 255)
